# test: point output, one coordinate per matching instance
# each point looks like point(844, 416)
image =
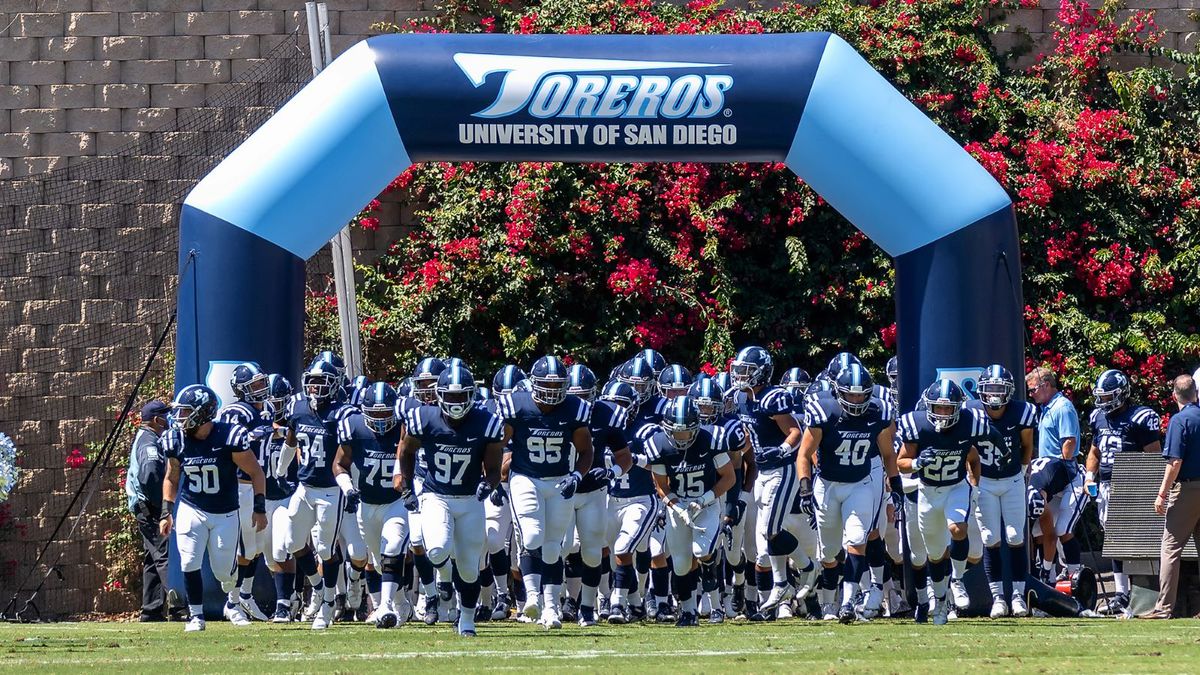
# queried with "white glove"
point(682, 514)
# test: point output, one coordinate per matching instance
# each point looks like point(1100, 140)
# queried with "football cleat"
point(587, 617)
point(808, 583)
point(780, 593)
point(664, 614)
point(846, 614)
point(739, 600)
point(999, 608)
point(921, 612)
point(1119, 604)
point(531, 610)
point(324, 617)
point(717, 615)
point(636, 613)
point(570, 610)
point(686, 619)
point(1019, 608)
point(873, 603)
point(467, 632)
point(603, 610)
point(431, 610)
point(196, 623)
point(551, 620)
point(283, 614)
point(404, 611)
point(386, 619)
point(651, 609)
point(483, 613)
point(314, 606)
point(500, 611)
point(961, 600)
point(784, 611)
point(829, 612)
point(250, 607)
point(616, 615)
point(235, 615)
point(941, 611)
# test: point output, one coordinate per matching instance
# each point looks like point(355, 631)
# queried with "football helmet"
point(943, 402)
point(893, 371)
point(321, 383)
point(507, 380)
point(279, 390)
point(822, 382)
point(795, 379)
point(425, 378)
point(455, 392)
point(853, 388)
point(194, 406)
point(674, 381)
point(249, 383)
point(355, 390)
point(581, 382)
point(483, 394)
point(752, 367)
point(548, 377)
point(709, 398)
point(637, 373)
point(378, 403)
point(996, 386)
point(620, 393)
point(681, 421)
point(331, 358)
point(652, 358)
point(727, 391)
point(404, 387)
point(840, 361)
point(1111, 390)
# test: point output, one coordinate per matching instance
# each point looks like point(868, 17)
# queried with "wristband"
point(617, 471)
point(260, 504)
point(641, 460)
point(168, 507)
point(670, 497)
point(806, 486)
point(895, 483)
point(708, 498)
point(1089, 476)
point(344, 482)
point(577, 476)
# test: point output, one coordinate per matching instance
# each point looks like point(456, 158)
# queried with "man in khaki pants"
point(1182, 508)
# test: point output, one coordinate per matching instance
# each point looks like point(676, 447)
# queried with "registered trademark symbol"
point(728, 112)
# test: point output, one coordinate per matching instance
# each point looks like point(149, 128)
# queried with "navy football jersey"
point(455, 453)
point(243, 413)
point(1053, 474)
point(318, 435)
point(1127, 430)
point(1017, 417)
point(757, 416)
point(269, 449)
point(637, 482)
point(541, 442)
point(693, 472)
point(208, 475)
point(372, 464)
point(734, 430)
point(951, 446)
point(608, 435)
point(650, 412)
point(848, 442)
point(402, 407)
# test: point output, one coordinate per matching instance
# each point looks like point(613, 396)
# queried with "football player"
point(765, 410)
point(499, 514)
point(1117, 426)
point(843, 434)
point(549, 434)
point(638, 374)
point(207, 455)
point(382, 519)
point(317, 425)
point(252, 411)
point(1056, 498)
point(279, 493)
point(940, 446)
point(1001, 504)
point(463, 448)
point(692, 471)
point(674, 381)
point(423, 391)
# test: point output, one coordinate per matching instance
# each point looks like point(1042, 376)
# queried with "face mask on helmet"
point(456, 400)
point(744, 375)
point(549, 390)
point(995, 393)
point(424, 389)
point(853, 400)
point(192, 408)
point(380, 418)
point(254, 390)
point(709, 409)
point(319, 386)
point(943, 415)
point(681, 422)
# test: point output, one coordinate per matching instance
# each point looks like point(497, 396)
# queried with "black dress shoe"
point(151, 618)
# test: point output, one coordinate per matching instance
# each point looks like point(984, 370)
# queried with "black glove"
point(897, 493)
point(769, 455)
point(410, 500)
point(805, 502)
point(483, 490)
point(660, 521)
point(352, 500)
point(927, 457)
point(498, 495)
point(596, 479)
point(735, 510)
point(567, 486)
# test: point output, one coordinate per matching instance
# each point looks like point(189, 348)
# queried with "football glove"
point(596, 478)
point(770, 455)
point(498, 495)
point(1037, 503)
point(805, 502)
point(568, 485)
point(352, 500)
point(483, 490)
point(409, 498)
point(897, 493)
point(927, 457)
point(735, 511)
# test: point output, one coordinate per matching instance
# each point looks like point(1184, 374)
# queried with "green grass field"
point(1040, 645)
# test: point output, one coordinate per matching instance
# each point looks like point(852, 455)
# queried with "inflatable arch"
point(809, 100)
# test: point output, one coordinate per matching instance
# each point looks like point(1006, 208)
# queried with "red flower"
point(888, 335)
point(75, 459)
point(635, 277)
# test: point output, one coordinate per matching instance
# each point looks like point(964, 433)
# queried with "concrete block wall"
point(128, 86)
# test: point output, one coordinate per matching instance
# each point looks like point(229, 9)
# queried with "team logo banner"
point(566, 98)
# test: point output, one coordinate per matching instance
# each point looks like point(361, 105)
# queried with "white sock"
point(779, 569)
point(848, 590)
point(1122, 581)
point(533, 587)
point(196, 610)
point(957, 569)
point(377, 599)
point(997, 589)
point(1019, 589)
point(574, 586)
point(587, 596)
point(330, 592)
point(466, 619)
point(714, 599)
point(689, 605)
point(620, 596)
point(826, 596)
point(939, 588)
point(387, 593)
point(550, 595)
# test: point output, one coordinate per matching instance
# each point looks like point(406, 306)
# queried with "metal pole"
point(320, 46)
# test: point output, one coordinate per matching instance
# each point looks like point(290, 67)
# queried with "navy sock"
point(374, 581)
point(486, 578)
point(573, 566)
point(992, 565)
point(591, 576)
point(552, 573)
point(763, 580)
point(856, 567)
point(959, 549)
point(1071, 551)
point(876, 552)
point(424, 568)
point(306, 564)
point(660, 581)
point(681, 586)
point(532, 563)
point(468, 591)
point(329, 571)
point(708, 576)
point(624, 577)
point(641, 562)
point(1118, 566)
point(284, 582)
point(193, 587)
point(501, 564)
point(920, 581)
point(1018, 558)
point(829, 578)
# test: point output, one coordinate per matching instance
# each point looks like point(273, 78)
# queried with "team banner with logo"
point(805, 99)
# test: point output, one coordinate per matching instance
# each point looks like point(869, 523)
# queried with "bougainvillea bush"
point(507, 261)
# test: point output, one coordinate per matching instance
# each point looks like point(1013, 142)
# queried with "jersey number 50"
point(203, 479)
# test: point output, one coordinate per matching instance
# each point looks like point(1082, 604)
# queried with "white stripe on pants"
point(630, 520)
point(198, 532)
point(542, 515)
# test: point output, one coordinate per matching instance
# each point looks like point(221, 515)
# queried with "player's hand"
point(259, 521)
point(805, 502)
point(1036, 501)
point(483, 490)
point(694, 509)
point(498, 495)
point(352, 500)
point(681, 514)
point(409, 498)
point(1092, 488)
point(567, 486)
point(927, 457)
point(727, 535)
point(660, 520)
point(897, 501)
point(165, 525)
point(735, 511)
point(258, 433)
point(769, 455)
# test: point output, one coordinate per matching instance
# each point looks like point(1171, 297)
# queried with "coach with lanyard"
point(1058, 428)
point(1179, 495)
point(143, 490)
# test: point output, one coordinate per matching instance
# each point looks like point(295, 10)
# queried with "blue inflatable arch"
point(808, 100)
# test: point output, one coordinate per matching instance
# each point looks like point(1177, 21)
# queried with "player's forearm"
point(623, 458)
point(1092, 465)
point(725, 481)
point(1170, 473)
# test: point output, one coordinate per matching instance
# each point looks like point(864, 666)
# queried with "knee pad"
point(782, 544)
point(573, 568)
point(876, 552)
point(393, 564)
point(959, 549)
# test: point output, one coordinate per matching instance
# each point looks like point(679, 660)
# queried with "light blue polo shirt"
point(1059, 422)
